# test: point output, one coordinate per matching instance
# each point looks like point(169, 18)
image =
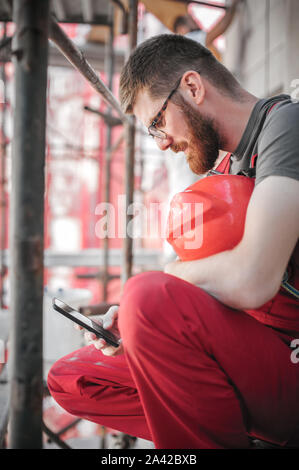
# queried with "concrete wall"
point(263, 46)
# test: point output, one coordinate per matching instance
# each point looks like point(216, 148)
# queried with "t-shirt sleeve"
point(278, 144)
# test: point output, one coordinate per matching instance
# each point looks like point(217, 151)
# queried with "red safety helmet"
point(209, 216)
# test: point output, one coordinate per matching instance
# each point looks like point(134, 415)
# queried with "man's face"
point(186, 130)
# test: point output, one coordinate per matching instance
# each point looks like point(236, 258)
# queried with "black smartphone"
point(85, 322)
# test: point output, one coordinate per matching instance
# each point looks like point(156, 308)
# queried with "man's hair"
point(158, 63)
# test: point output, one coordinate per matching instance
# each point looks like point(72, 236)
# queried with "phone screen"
point(85, 322)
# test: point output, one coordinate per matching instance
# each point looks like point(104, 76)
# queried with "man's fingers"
point(112, 351)
point(107, 323)
point(100, 343)
point(109, 351)
point(110, 316)
point(90, 336)
point(106, 349)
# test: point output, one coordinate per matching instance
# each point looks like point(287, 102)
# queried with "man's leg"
point(206, 375)
point(98, 388)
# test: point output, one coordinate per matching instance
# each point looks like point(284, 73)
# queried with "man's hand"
point(109, 322)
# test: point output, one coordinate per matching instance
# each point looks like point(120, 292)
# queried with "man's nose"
point(164, 144)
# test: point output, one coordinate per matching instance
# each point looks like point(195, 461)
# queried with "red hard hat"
point(209, 216)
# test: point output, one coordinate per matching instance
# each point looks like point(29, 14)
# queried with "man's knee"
point(65, 382)
point(141, 293)
point(140, 304)
point(60, 384)
point(155, 302)
point(57, 386)
point(69, 387)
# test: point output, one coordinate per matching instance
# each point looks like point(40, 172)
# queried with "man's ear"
point(193, 86)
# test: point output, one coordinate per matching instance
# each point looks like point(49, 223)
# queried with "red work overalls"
point(195, 373)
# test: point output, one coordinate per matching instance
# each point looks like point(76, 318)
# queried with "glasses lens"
point(156, 133)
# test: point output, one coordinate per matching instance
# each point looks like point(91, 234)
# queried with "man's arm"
point(250, 274)
point(222, 25)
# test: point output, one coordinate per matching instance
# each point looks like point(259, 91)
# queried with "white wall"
point(262, 46)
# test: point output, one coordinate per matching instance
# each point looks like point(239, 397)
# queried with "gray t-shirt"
point(270, 143)
point(271, 136)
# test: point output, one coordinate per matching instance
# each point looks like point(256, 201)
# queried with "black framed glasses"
point(152, 129)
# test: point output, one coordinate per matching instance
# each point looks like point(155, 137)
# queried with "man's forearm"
point(228, 276)
point(214, 275)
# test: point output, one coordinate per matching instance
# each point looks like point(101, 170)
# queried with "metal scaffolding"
point(3, 202)
point(34, 26)
point(129, 155)
point(108, 156)
point(77, 59)
point(30, 53)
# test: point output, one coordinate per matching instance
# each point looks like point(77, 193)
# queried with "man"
point(205, 360)
point(179, 174)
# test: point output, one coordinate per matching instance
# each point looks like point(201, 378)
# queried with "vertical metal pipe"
point(129, 156)
point(30, 55)
point(110, 71)
point(3, 201)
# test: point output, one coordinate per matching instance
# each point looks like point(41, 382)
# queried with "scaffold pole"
point(77, 59)
point(129, 156)
point(108, 154)
point(30, 57)
point(3, 199)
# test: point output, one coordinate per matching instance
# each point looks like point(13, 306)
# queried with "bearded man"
point(205, 360)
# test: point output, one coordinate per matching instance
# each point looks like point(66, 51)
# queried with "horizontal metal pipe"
point(205, 4)
point(93, 258)
point(77, 59)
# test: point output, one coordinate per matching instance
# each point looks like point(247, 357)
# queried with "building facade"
point(262, 47)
